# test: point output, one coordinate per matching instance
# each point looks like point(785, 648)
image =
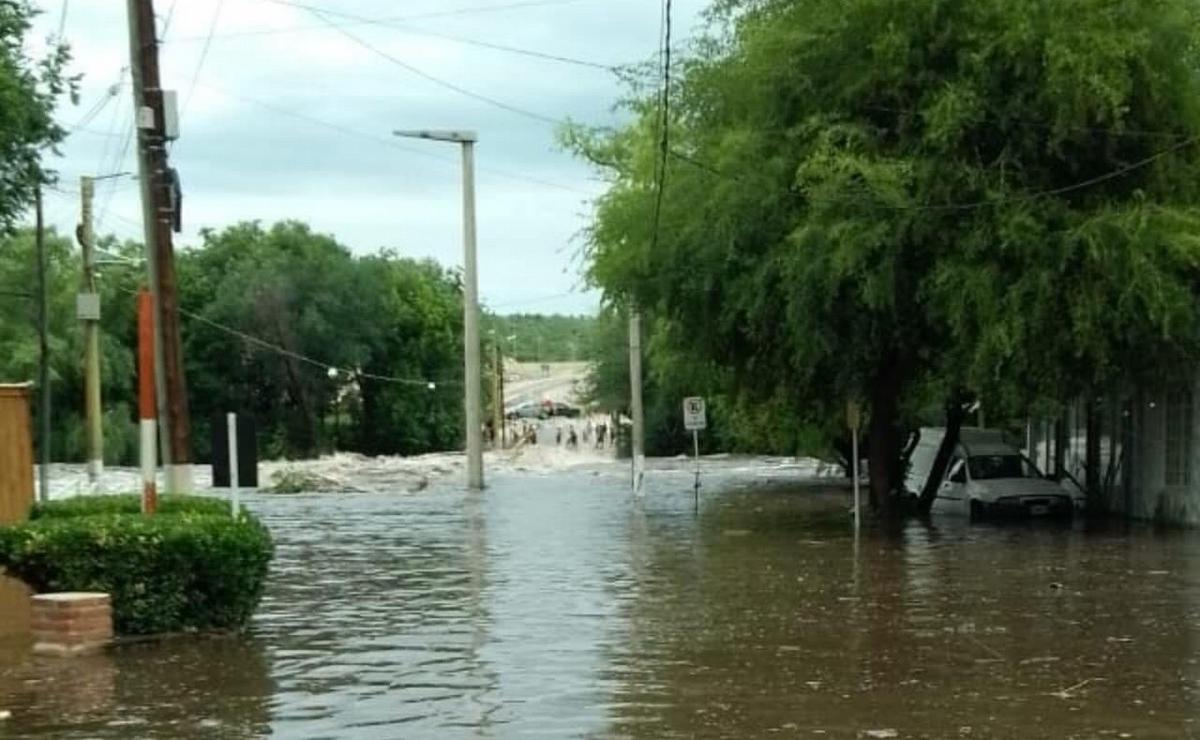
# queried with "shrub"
point(168, 505)
point(190, 567)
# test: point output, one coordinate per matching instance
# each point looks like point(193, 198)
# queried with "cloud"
point(252, 147)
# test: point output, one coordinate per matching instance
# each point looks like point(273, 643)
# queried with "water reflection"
point(175, 688)
point(769, 624)
point(559, 605)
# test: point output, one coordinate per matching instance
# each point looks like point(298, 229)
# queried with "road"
point(555, 381)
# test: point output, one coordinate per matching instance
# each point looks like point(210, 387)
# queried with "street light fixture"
point(472, 385)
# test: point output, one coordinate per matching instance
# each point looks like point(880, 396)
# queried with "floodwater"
point(557, 605)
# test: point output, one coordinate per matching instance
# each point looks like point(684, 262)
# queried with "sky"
point(287, 117)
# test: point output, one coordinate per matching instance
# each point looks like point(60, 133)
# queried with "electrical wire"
point(471, 10)
point(212, 29)
point(665, 140)
point(388, 142)
point(432, 78)
point(283, 351)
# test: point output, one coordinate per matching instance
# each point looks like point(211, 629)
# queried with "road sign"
point(694, 417)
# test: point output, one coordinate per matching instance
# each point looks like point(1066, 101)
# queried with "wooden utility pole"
point(43, 269)
point(158, 216)
point(88, 308)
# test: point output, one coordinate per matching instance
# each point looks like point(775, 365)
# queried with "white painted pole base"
point(234, 489)
point(149, 440)
point(639, 474)
point(95, 471)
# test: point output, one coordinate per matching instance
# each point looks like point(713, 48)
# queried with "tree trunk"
point(956, 414)
point(883, 436)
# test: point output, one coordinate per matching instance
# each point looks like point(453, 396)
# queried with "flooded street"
point(557, 605)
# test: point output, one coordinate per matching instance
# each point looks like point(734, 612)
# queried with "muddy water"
point(557, 606)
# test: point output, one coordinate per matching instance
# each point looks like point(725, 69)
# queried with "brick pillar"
point(71, 623)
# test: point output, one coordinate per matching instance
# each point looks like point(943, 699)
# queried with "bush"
point(168, 505)
point(190, 567)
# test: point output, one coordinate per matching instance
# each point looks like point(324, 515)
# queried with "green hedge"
point(168, 505)
point(190, 567)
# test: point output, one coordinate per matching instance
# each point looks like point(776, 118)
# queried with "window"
point(1179, 439)
point(988, 467)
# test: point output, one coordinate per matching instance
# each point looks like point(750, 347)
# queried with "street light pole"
point(472, 381)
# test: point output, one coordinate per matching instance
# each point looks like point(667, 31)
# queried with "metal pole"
point(91, 342)
point(43, 348)
point(471, 324)
point(234, 483)
point(696, 457)
point(635, 400)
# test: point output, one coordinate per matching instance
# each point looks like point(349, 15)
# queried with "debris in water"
point(5, 714)
point(885, 733)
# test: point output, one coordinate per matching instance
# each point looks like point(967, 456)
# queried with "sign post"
point(695, 419)
point(854, 421)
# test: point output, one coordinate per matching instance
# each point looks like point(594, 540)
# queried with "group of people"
point(599, 432)
point(596, 435)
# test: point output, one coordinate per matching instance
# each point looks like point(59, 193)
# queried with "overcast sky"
point(290, 118)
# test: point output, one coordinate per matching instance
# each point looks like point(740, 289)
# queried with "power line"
point(470, 10)
point(388, 142)
point(264, 344)
point(665, 141)
point(431, 78)
point(212, 29)
point(62, 20)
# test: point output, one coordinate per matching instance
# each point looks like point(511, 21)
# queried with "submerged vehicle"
point(987, 476)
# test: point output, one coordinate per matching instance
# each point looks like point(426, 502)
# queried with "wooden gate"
point(16, 454)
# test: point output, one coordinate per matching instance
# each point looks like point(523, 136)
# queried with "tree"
point(902, 201)
point(29, 90)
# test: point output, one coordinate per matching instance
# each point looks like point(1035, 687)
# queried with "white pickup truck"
point(988, 477)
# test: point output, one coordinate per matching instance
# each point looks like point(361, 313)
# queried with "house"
point(1146, 448)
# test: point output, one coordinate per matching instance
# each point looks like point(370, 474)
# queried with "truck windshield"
point(985, 467)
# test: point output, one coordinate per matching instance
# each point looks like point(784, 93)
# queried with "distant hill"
point(541, 338)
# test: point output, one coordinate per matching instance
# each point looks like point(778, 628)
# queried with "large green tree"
point(907, 201)
point(29, 90)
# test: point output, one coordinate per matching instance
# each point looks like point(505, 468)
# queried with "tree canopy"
point(897, 201)
point(29, 90)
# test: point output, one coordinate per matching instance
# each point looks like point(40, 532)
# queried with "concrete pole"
point(91, 342)
point(498, 400)
point(471, 324)
point(234, 484)
point(635, 400)
point(43, 269)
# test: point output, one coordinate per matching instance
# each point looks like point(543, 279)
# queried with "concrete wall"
point(1152, 498)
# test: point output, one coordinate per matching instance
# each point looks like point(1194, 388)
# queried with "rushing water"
point(559, 606)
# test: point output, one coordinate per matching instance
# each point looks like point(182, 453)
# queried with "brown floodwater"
point(557, 605)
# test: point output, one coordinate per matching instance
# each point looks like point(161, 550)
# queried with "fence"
point(16, 454)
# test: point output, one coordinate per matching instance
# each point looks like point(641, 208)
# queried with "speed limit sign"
point(694, 416)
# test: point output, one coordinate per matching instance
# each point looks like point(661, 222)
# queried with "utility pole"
point(473, 390)
point(43, 348)
point(635, 400)
point(88, 307)
point(498, 399)
point(158, 214)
